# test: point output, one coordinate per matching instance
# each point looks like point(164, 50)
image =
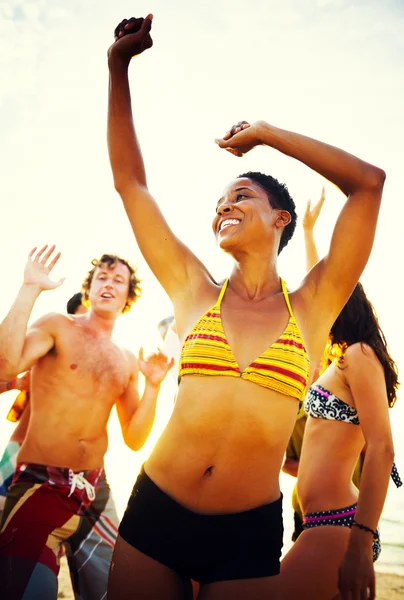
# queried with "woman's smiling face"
point(244, 215)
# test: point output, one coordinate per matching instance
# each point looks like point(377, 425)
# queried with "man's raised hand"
point(155, 367)
point(132, 37)
point(39, 264)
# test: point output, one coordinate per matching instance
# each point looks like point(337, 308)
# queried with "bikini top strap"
point(286, 296)
point(222, 291)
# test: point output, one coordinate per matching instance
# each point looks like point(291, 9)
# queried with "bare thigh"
point(309, 570)
point(135, 575)
point(263, 588)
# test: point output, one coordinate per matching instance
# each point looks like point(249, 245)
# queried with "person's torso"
point(73, 389)
point(332, 443)
point(223, 446)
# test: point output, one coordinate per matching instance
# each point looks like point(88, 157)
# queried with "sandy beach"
point(389, 586)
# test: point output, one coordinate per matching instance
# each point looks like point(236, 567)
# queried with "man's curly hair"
point(111, 260)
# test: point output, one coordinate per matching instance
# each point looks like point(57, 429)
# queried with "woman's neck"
point(255, 280)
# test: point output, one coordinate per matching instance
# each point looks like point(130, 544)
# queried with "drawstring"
point(79, 481)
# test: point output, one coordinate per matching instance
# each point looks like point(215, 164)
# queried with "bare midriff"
point(54, 439)
point(223, 447)
point(330, 452)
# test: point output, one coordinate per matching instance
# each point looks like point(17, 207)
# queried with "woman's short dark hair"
point(358, 322)
point(279, 197)
point(111, 260)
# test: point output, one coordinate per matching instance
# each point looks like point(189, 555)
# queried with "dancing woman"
point(207, 504)
point(348, 409)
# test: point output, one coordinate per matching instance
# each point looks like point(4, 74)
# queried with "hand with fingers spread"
point(311, 214)
point(309, 220)
point(40, 263)
point(241, 138)
point(132, 37)
point(155, 367)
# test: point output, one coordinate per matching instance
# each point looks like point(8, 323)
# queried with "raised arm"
point(19, 348)
point(330, 283)
point(137, 416)
point(170, 260)
point(309, 220)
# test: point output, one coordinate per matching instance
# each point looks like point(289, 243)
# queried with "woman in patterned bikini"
point(348, 408)
point(207, 504)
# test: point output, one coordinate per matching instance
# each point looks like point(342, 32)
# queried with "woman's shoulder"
point(360, 355)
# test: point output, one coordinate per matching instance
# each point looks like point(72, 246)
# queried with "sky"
point(331, 69)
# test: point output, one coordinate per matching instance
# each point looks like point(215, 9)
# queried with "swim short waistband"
point(61, 477)
point(204, 547)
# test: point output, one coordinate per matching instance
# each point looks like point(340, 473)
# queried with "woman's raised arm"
point(332, 280)
point(169, 259)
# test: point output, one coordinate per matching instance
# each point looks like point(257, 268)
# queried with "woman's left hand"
point(356, 577)
point(241, 138)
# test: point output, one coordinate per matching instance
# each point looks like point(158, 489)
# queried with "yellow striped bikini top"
point(284, 367)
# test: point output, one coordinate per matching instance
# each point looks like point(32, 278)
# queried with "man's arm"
point(329, 284)
point(17, 383)
point(6, 386)
point(169, 259)
point(137, 416)
point(19, 350)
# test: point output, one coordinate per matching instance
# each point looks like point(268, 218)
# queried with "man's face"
point(109, 288)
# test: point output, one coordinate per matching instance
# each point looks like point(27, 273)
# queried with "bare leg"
point(135, 575)
point(263, 588)
point(309, 570)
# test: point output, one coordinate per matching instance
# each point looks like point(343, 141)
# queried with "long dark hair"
point(357, 322)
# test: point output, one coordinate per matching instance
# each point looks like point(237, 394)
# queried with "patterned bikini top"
point(284, 367)
point(322, 404)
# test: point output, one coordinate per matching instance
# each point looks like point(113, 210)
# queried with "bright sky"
point(332, 69)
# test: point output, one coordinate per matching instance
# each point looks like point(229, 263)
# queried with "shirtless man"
point(77, 374)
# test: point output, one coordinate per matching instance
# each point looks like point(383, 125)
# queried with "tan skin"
point(20, 430)
point(23, 384)
point(330, 451)
point(234, 448)
point(77, 372)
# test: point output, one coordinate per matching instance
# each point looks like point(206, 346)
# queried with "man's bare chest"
point(95, 360)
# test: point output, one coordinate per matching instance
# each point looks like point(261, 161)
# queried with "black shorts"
point(205, 548)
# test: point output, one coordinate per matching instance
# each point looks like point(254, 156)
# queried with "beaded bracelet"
point(10, 384)
point(364, 528)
